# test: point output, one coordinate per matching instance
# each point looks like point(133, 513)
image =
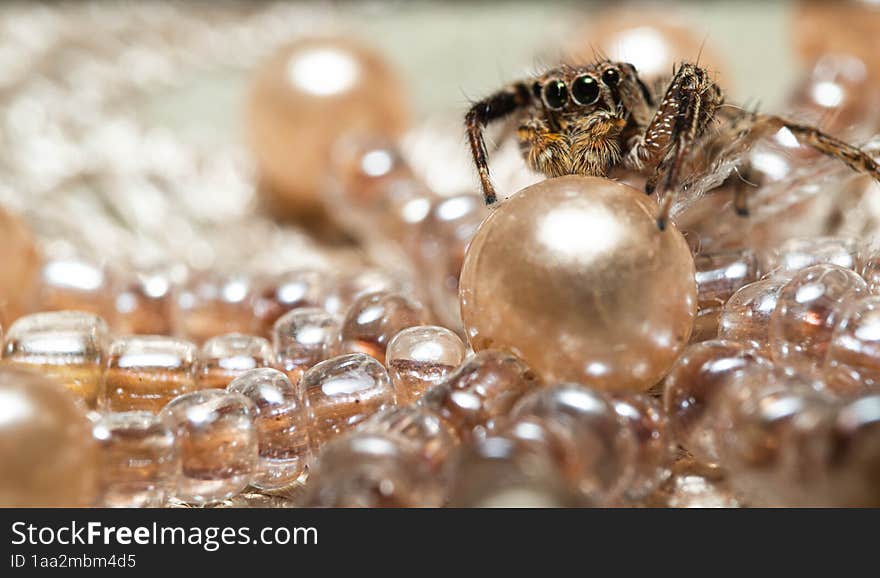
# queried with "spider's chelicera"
point(586, 120)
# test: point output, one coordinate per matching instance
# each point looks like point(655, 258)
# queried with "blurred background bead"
point(654, 443)
point(599, 448)
point(212, 303)
point(67, 345)
point(719, 275)
point(695, 385)
point(225, 357)
point(343, 391)
point(573, 265)
point(695, 485)
point(871, 270)
point(808, 310)
point(49, 457)
point(430, 437)
point(847, 27)
point(852, 364)
point(281, 423)
point(279, 294)
point(855, 453)
point(145, 372)
point(302, 338)
point(745, 317)
point(19, 275)
point(77, 284)
point(303, 99)
point(480, 392)
point(351, 287)
point(139, 460)
point(218, 444)
point(371, 470)
point(374, 319)
point(145, 304)
point(420, 357)
point(799, 253)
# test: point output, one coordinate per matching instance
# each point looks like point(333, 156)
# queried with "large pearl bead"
point(303, 100)
point(573, 275)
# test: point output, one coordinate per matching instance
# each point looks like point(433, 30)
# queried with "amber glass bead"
point(420, 357)
point(719, 275)
point(348, 288)
point(225, 357)
point(211, 304)
point(807, 311)
point(77, 284)
point(653, 438)
point(140, 461)
point(144, 304)
point(276, 295)
point(19, 275)
point(796, 254)
point(218, 444)
point(374, 319)
point(429, 436)
point(67, 345)
point(852, 364)
point(281, 423)
point(745, 317)
point(145, 372)
point(855, 453)
point(48, 456)
point(343, 391)
point(302, 338)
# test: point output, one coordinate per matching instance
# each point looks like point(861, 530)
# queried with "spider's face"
point(581, 90)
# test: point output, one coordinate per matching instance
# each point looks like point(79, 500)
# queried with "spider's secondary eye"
point(611, 77)
point(585, 90)
point(555, 94)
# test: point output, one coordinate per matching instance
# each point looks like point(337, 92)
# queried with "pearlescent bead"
point(852, 364)
point(19, 275)
point(807, 311)
point(279, 294)
point(855, 453)
point(140, 461)
point(307, 96)
point(371, 470)
point(77, 284)
point(145, 372)
point(596, 445)
point(696, 384)
point(745, 317)
point(654, 444)
point(574, 276)
point(225, 357)
point(430, 437)
point(281, 423)
point(211, 304)
point(218, 442)
point(719, 275)
point(144, 304)
point(343, 391)
point(48, 456)
point(302, 338)
point(480, 392)
point(374, 319)
point(796, 254)
point(420, 357)
point(67, 345)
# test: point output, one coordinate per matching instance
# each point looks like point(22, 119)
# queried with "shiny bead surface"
point(420, 357)
point(302, 338)
point(225, 357)
point(281, 423)
point(653, 438)
point(350, 287)
point(429, 436)
point(573, 275)
point(67, 345)
point(211, 304)
point(745, 317)
point(144, 304)
point(852, 364)
point(139, 460)
point(855, 453)
point(275, 296)
point(374, 319)
point(343, 391)
point(145, 372)
point(796, 254)
point(719, 275)
point(218, 443)
point(76, 284)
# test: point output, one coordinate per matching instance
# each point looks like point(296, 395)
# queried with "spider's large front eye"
point(611, 77)
point(585, 90)
point(555, 94)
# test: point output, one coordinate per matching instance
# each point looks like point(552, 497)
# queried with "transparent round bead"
point(281, 423)
point(852, 364)
point(420, 357)
point(218, 441)
point(653, 438)
point(303, 337)
point(871, 270)
point(807, 311)
point(77, 284)
point(596, 444)
point(855, 453)
point(225, 357)
point(719, 275)
point(48, 456)
point(144, 304)
point(480, 392)
point(694, 387)
point(140, 461)
point(746, 315)
point(800, 253)
point(430, 437)
point(212, 303)
point(274, 296)
point(374, 319)
point(371, 470)
point(349, 288)
point(342, 392)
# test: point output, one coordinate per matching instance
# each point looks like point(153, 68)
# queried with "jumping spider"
point(587, 120)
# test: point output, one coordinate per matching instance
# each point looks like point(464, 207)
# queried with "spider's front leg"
point(490, 109)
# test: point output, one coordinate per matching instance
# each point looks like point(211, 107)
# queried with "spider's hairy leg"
point(543, 149)
point(483, 112)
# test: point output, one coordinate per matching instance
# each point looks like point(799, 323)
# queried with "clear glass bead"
point(211, 304)
point(852, 365)
point(218, 442)
point(349, 288)
point(225, 357)
point(302, 338)
point(77, 284)
point(430, 437)
point(281, 423)
point(374, 319)
point(145, 372)
point(719, 275)
point(654, 443)
point(800, 253)
point(68, 345)
point(745, 317)
point(277, 295)
point(855, 453)
point(145, 304)
point(420, 357)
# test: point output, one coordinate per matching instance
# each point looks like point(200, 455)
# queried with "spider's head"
point(580, 90)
